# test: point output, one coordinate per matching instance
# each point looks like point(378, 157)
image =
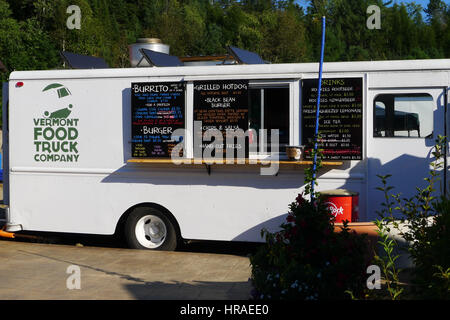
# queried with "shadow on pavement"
point(196, 246)
point(198, 290)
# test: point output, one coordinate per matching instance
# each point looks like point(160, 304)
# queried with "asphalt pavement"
point(41, 271)
point(38, 266)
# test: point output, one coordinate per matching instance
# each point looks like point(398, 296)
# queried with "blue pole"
point(319, 88)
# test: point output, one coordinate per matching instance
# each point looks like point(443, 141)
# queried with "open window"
point(269, 108)
point(403, 115)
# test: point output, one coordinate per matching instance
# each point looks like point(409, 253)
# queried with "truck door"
point(402, 128)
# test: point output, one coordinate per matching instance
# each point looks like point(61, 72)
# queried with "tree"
point(24, 45)
point(436, 10)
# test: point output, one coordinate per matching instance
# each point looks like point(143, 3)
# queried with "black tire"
point(145, 222)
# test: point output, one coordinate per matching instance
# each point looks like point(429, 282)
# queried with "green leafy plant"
point(307, 259)
point(431, 253)
point(386, 260)
point(443, 276)
point(310, 176)
point(425, 225)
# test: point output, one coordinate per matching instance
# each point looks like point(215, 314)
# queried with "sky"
point(424, 3)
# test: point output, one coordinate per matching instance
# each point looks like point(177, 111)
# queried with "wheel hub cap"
point(151, 231)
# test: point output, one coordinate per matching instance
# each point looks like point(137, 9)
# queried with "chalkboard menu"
point(221, 105)
point(157, 110)
point(340, 121)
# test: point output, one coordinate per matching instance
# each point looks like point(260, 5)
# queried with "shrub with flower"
point(307, 260)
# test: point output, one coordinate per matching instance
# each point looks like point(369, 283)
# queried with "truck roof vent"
point(154, 44)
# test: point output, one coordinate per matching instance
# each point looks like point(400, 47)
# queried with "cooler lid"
point(339, 192)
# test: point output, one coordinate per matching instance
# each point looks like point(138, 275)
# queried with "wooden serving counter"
point(224, 162)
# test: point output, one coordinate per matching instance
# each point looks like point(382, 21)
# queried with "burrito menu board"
point(157, 110)
point(340, 121)
point(221, 105)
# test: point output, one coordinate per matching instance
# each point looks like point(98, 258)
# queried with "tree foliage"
point(32, 32)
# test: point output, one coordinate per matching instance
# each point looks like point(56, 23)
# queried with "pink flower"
point(278, 238)
point(290, 218)
point(300, 200)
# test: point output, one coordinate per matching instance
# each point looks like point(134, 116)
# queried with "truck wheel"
point(148, 228)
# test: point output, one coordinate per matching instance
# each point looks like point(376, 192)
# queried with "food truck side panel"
point(228, 206)
point(406, 155)
point(72, 175)
point(70, 142)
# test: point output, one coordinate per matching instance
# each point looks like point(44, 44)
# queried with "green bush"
point(307, 260)
point(425, 225)
point(431, 254)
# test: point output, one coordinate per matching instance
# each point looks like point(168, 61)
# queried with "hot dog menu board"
point(157, 110)
point(221, 105)
point(340, 121)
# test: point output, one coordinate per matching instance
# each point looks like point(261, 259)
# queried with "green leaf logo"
point(62, 92)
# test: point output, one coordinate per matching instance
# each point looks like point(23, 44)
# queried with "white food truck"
point(79, 155)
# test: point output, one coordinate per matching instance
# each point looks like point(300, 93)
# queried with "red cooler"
point(342, 203)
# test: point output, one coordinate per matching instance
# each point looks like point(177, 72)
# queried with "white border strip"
point(61, 170)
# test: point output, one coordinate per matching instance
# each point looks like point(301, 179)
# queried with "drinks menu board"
point(221, 105)
point(340, 121)
point(157, 110)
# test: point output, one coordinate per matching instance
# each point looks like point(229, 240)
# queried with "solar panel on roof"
point(245, 57)
point(79, 61)
point(159, 59)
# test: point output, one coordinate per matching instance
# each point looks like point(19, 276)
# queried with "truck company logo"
point(335, 211)
point(55, 133)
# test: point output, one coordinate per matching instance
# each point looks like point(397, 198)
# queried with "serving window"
point(202, 121)
point(229, 118)
point(269, 108)
point(403, 115)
